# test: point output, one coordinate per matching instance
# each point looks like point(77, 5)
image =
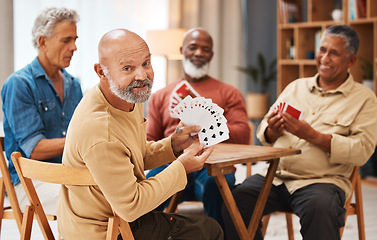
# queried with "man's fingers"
point(207, 151)
point(187, 129)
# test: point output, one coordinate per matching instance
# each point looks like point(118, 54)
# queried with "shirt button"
point(64, 133)
point(63, 113)
point(46, 108)
point(313, 113)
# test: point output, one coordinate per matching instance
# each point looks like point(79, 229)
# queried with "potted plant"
point(368, 72)
point(257, 102)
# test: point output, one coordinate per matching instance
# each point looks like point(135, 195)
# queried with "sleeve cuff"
point(30, 144)
point(260, 133)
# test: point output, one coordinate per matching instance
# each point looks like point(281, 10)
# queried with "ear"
point(211, 56)
point(352, 60)
point(98, 69)
point(42, 42)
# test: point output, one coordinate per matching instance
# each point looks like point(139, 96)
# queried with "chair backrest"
point(7, 185)
point(28, 169)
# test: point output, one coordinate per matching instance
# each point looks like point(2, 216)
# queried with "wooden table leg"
point(262, 198)
point(232, 207)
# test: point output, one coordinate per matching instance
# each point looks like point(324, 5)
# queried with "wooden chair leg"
point(291, 234)
point(248, 169)
point(27, 222)
point(174, 202)
point(359, 209)
point(2, 197)
point(265, 221)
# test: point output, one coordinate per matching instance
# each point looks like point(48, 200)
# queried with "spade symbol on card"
point(201, 111)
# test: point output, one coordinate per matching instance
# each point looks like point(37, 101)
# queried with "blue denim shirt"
point(33, 110)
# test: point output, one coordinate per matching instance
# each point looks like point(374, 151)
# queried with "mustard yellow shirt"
point(112, 144)
point(348, 113)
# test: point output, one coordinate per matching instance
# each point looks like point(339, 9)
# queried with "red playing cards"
point(203, 112)
point(286, 107)
point(182, 90)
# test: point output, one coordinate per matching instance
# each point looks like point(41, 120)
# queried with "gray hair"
point(348, 34)
point(47, 20)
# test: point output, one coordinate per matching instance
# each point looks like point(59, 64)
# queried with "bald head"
point(125, 70)
point(117, 39)
point(197, 32)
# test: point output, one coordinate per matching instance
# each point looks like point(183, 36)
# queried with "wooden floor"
point(276, 229)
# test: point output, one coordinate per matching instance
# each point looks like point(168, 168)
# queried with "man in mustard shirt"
point(107, 134)
point(337, 131)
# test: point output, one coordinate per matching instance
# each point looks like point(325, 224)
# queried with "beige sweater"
point(112, 144)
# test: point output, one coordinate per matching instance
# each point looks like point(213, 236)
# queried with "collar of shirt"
point(345, 88)
point(38, 71)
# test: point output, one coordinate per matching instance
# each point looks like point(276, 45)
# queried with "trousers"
point(47, 192)
point(319, 206)
point(168, 226)
point(200, 187)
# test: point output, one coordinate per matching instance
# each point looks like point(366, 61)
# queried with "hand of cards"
point(206, 114)
point(286, 107)
point(182, 90)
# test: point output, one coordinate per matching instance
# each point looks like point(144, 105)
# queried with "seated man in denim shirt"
point(39, 100)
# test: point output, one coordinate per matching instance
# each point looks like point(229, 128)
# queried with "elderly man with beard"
point(197, 50)
point(107, 135)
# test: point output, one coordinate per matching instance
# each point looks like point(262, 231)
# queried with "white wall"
point(96, 18)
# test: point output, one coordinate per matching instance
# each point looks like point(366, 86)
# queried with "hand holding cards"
point(201, 111)
point(286, 107)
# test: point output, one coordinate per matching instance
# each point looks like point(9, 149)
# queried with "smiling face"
point(59, 48)
point(333, 61)
point(128, 73)
point(197, 51)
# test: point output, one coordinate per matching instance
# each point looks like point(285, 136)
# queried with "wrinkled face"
point(333, 59)
point(197, 48)
point(130, 73)
point(59, 48)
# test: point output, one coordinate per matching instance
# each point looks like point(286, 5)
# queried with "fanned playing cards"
point(286, 107)
point(208, 115)
point(182, 90)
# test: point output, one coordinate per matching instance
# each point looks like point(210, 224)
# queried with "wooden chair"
point(28, 169)
point(13, 211)
point(353, 208)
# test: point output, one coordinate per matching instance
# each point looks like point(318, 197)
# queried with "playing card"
point(180, 92)
point(213, 135)
point(201, 111)
point(295, 112)
point(184, 89)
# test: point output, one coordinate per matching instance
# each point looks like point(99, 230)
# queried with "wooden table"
point(220, 162)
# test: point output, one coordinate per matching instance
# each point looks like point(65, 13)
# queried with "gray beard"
point(194, 71)
point(127, 95)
